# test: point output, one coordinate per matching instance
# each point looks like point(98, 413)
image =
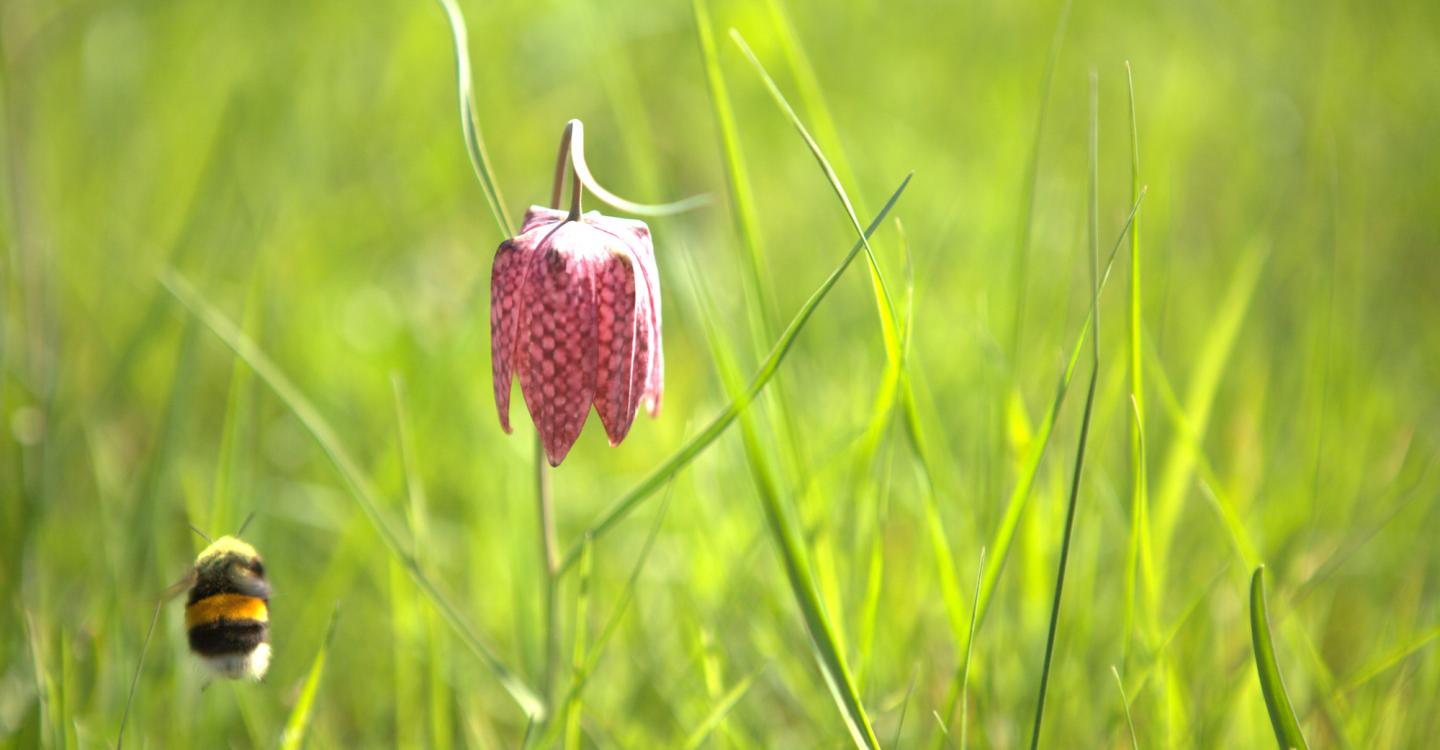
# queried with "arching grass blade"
point(1272, 685)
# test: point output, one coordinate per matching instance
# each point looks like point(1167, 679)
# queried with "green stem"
point(545, 508)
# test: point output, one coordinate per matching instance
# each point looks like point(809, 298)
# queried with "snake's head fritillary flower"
point(575, 313)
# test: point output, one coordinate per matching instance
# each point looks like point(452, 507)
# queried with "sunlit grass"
point(244, 268)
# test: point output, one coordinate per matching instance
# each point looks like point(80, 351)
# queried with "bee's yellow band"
point(227, 607)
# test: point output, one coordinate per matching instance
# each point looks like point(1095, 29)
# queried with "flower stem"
point(572, 143)
point(551, 561)
point(574, 198)
point(560, 160)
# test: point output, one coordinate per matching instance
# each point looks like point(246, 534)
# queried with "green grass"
point(244, 263)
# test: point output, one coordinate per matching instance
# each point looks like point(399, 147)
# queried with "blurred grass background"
point(301, 165)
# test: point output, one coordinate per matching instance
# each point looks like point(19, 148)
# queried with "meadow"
point(1148, 304)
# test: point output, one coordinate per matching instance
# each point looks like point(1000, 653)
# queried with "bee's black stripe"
point(226, 637)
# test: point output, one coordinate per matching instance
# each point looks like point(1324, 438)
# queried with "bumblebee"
point(227, 614)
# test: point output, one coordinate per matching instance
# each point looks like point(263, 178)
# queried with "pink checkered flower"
point(575, 312)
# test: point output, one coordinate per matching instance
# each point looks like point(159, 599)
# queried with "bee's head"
point(233, 565)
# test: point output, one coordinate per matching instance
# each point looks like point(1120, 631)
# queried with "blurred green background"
point(301, 165)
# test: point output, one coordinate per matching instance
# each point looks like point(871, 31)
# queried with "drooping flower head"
point(575, 313)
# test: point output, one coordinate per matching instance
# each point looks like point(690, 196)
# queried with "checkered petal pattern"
point(575, 315)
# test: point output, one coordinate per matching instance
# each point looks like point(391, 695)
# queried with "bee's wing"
point(249, 584)
point(179, 587)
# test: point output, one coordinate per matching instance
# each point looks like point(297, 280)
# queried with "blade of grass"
point(404, 689)
point(1210, 480)
point(717, 714)
point(359, 487)
point(1272, 685)
point(581, 677)
point(1138, 533)
point(812, 98)
point(1019, 266)
point(1089, 404)
point(578, 657)
point(1184, 618)
point(889, 327)
point(874, 574)
point(904, 708)
point(1125, 705)
point(760, 305)
point(479, 159)
point(417, 509)
point(1137, 560)
point(135, 681)
point(1200, 396)
point(687, 453)
point(969, 651)
point(891, 333)
point(44, 682)
point(236, 404)
point(827, 139)
point(1390, 659)
point(298, 724)
point(1004, 534)
point(826, 644)
point(737, 178)
point(474, 141)
point(1020, 495)
point(1335, 708)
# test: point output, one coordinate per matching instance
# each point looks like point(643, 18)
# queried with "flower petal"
point(507, 280)
point(636, 236)
point(616, 393)
point(556, 351)
point(655, 382)
point(538, 215)
point(646, 342)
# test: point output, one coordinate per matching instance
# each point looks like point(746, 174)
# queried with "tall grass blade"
point(135, 681)
point(1020, 263)
point(578, 658)
point(687, 453)
point(1137, 560)
point(889, 326)
point(469, 127)
point(969, 653)
point(707, 725)
point(737, 176)
point(1005, 533)
point(828, 651)
point(760, 308)
point(417, 509)
point(298, 724)
point(237, 403)
point(1390, 659)
point(874, 574)
point(1272, 685)
point(904, 709)
point(1125, 704)
point(1207, 372)
point(1089, 404)
point(580, 677)
point(359, 487)
point(1210, 480)
point(827, 139)
point(807, 83)
point(826, 643)
point(891, 334)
